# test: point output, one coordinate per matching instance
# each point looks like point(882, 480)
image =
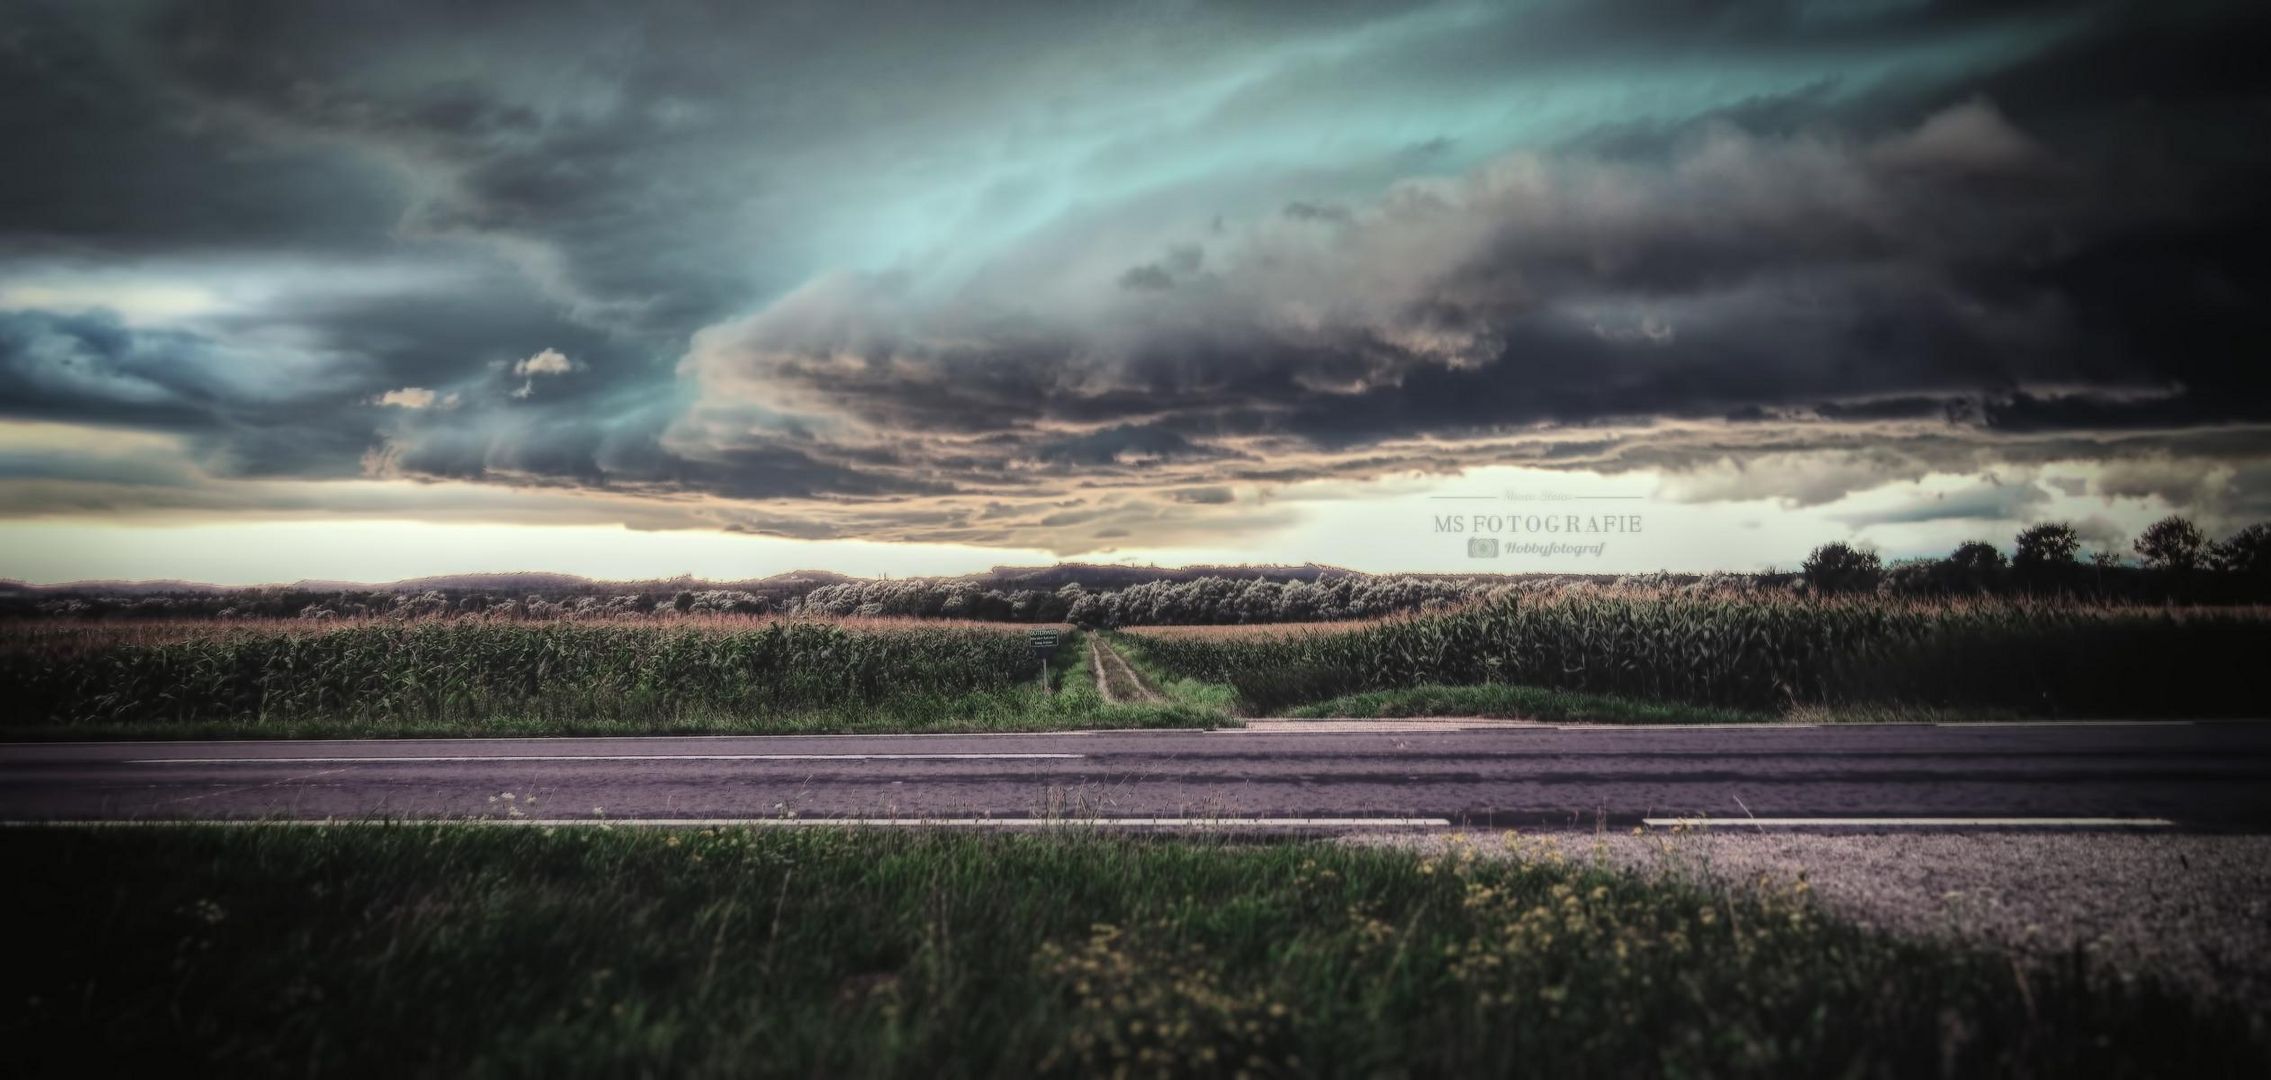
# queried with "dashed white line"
point(247, 787)
point(2063, 723)
point(813, 822)
point(373, 759)
point(1919, 822)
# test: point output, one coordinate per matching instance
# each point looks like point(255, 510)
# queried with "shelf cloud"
point(1087, 277)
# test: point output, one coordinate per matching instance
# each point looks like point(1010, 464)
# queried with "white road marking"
point(1367, 727)
point(959, 823)
point(248, 787)
point(381, 760)
point(2023, 822)
point(776, 735)
point(1406, 725)
point(2064, 723)
point(1762, 725)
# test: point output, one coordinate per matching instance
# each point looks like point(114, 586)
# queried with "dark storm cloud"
point(1985, 502)
point(246, 410)
point(108, 156)
point(922, 273)
point(656, 166)
point(1747, 272)
point(128, 171)
point(1953, 266)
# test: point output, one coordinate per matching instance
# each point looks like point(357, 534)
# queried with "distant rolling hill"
point(1093, 577)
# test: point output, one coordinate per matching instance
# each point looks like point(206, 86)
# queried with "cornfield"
point(1766, 654)
point(447, 669)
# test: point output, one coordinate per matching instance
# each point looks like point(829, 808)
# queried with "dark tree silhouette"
point(2246, 552)
point(2171, 543)
point(1842, 568)
point(2050, 544)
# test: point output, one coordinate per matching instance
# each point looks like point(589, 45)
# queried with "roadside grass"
point(384, 950)
point(1068, 666)
point(1004, 712)
point(1493, 700)
point(1499, 700)
point(1911, 714)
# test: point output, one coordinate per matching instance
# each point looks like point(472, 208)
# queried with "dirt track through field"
point(1115, 680)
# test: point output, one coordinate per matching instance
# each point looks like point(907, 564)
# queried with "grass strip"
point(975, 714)
point(1524, 703)
point(588, 951)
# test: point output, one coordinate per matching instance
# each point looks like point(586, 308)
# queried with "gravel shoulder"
point(2194, 910)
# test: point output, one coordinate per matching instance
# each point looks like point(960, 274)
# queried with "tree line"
point(1207, 600)
point(2171, 560)
point(1197, 600)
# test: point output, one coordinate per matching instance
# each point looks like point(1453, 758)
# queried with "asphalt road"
point(2206, 776)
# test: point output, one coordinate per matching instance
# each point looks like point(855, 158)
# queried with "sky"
point(373, 290)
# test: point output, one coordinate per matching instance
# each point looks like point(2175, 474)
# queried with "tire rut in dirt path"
point(1115, 679)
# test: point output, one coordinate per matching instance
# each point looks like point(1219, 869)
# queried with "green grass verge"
point(1524, 703)
point(416, 950)
point(1003, 712)
point(1914, 714)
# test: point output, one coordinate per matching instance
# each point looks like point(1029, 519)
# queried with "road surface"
point(2207, 776)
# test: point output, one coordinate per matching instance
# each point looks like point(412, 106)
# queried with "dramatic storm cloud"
point(1086, 278)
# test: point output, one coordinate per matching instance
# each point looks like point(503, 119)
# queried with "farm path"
point(1116, 679)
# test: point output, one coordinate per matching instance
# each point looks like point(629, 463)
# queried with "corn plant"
point(1763, 653)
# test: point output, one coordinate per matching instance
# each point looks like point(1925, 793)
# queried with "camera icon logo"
point(1482, 547)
